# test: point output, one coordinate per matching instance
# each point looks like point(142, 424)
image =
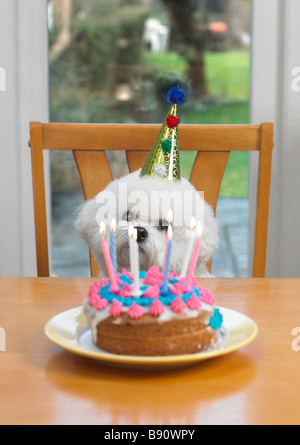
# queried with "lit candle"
point(136, 265)
point(107, 257)
point(170, 220)
point(194, 256)
point(113, 250)
point(167, 261)
point(189, 249)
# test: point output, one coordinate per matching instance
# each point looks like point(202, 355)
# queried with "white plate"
point(70, 331)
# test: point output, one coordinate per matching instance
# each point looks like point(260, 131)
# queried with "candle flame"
point(102, 228)
point(170, 232)
point(170, 216)
point(131, 231)
point(193, 223)
point(199, 229)
point(113, 225)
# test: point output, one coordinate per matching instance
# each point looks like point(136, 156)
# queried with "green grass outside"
point(235, 180)
point(228, 74)
point(227, 77)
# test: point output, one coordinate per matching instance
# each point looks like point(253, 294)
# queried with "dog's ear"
point(210, 237)
point(86, 224)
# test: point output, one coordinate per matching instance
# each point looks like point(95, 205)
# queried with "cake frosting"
point(182, 319)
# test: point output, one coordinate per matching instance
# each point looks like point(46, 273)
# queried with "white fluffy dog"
point(144, 202)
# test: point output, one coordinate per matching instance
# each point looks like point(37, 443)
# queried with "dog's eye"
point(127, 216)
point(163, 225)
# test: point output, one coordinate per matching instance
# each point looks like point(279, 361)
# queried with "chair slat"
point(94, 171)
point(207, 174)
point(141, 137)
point(136, 159)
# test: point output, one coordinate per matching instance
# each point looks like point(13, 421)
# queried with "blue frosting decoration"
point(125, 278)
point(216, 320)
point(176, 95)
point(165, 298)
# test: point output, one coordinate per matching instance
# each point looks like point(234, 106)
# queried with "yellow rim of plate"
point(115, 358)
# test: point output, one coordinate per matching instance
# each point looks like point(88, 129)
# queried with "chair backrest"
point(213, 144)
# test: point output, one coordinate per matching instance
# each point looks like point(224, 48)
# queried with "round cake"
point(180, 318)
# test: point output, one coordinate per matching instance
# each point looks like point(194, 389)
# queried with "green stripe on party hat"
point(163, 160)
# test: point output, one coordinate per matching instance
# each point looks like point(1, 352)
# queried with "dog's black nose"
point(141, 234)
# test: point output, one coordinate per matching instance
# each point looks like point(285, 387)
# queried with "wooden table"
point(42, 384)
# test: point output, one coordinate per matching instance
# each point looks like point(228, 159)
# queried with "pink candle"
point(194, 256)
point(108, 261)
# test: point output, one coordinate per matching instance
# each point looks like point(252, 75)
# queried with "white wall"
point(24, 59)
point(274, 98)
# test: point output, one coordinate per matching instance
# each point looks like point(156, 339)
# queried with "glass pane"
point(113, 61)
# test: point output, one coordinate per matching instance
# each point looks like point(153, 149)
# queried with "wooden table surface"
point(42, 384)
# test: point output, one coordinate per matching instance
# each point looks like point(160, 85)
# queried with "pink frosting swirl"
point(92, 300)
point(178, 305)
point(126, 291)
point(152, 292)
point(104, 282)
point(206, 296)
point(119, 279)
point(94, 290)
point(129, 274)
point(97, 302)
point(135, 311)
point(193, 302)
point(100, 304)
point(193, 283)
point(116, 308)
point(94, 297)
point(153, 276)
point(156, 308)
point(178, 288)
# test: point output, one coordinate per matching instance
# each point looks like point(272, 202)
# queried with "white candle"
point(130, 236)
point(189, 249)
point(170, 220)
point(167, 261)
point(136, 266)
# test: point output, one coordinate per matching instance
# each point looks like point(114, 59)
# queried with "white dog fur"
point(144, 200)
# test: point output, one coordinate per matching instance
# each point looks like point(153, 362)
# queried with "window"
point(113, 62)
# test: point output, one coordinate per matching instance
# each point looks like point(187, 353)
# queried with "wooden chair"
point(89, 142)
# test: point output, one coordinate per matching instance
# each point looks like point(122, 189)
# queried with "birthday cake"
point(181, 319)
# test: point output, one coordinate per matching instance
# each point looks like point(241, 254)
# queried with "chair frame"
point(90, 141)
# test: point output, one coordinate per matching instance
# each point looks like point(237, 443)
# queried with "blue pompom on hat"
point(176, 95)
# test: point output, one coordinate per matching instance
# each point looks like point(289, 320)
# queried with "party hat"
point(163, 160)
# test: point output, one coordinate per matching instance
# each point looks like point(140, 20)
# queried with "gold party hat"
point(163, 160)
